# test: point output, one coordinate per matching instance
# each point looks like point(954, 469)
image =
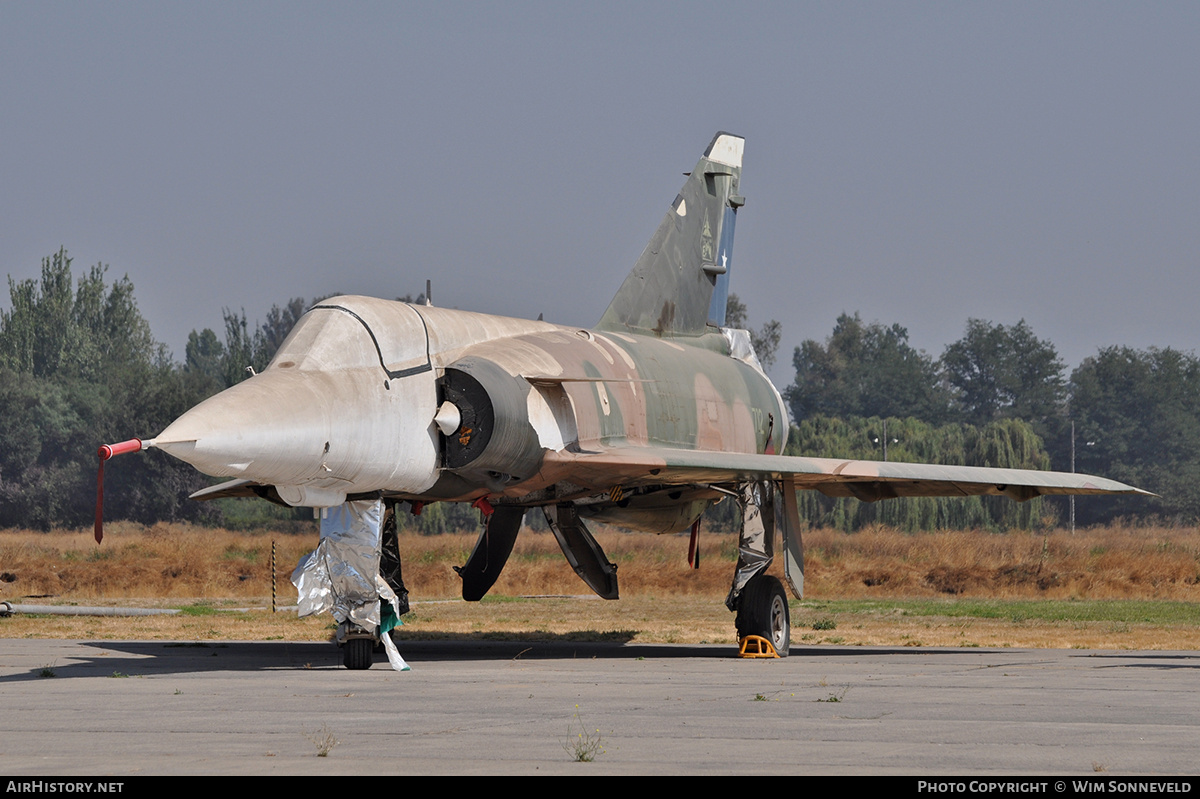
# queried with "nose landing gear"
point(358, 652)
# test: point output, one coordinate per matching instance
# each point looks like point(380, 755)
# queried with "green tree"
point(78, 368)
point(998, 372)
point(54, 329)
point(243, 349)
point(205, 358)
point(227, 363)
point(280, 321)
point(1137, 414)
point(1007, 443)
point(39, 433)
point(865, 370)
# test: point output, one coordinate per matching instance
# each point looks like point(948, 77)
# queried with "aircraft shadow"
point(148, 658)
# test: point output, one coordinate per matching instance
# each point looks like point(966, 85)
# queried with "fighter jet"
point(643, 421)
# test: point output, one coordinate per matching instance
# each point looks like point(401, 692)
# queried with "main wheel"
point(356, 653)
point(763, 611)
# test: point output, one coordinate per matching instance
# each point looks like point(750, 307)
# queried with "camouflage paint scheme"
point(643, 421)
point(651, 397)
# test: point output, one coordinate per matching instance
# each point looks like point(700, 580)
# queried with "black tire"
point(357, 653)
point(763, 611)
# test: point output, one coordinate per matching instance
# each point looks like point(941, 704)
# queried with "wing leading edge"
point(865, 480)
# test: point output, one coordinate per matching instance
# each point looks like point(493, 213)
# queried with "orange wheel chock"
point(755, 646)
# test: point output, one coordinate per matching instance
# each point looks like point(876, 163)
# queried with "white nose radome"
point(274, 426)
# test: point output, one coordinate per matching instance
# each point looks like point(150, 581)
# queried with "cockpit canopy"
point(355, 333)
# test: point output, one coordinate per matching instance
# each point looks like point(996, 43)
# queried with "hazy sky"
point(920, 163)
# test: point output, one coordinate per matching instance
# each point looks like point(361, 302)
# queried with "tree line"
point(79, 366)
point(1127, 414)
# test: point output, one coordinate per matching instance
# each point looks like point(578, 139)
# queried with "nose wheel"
point(357, 653)
point(357, 645)
point(763, 611)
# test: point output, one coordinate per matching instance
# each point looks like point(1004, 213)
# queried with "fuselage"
point(348, 404)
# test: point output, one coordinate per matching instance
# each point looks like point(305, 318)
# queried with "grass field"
point(1115, 587)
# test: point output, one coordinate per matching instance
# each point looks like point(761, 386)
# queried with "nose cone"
point(345, 431)
point(273, 428)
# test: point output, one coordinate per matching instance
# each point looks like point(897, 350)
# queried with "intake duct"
point(494, 443)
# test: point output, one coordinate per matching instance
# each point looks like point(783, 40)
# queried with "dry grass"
point(1105, 563)
point(662, 599)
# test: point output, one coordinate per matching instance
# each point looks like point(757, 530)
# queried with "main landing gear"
point(756, 597)
point(762, 610)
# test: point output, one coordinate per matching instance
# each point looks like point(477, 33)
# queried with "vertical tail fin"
point(680, 284)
